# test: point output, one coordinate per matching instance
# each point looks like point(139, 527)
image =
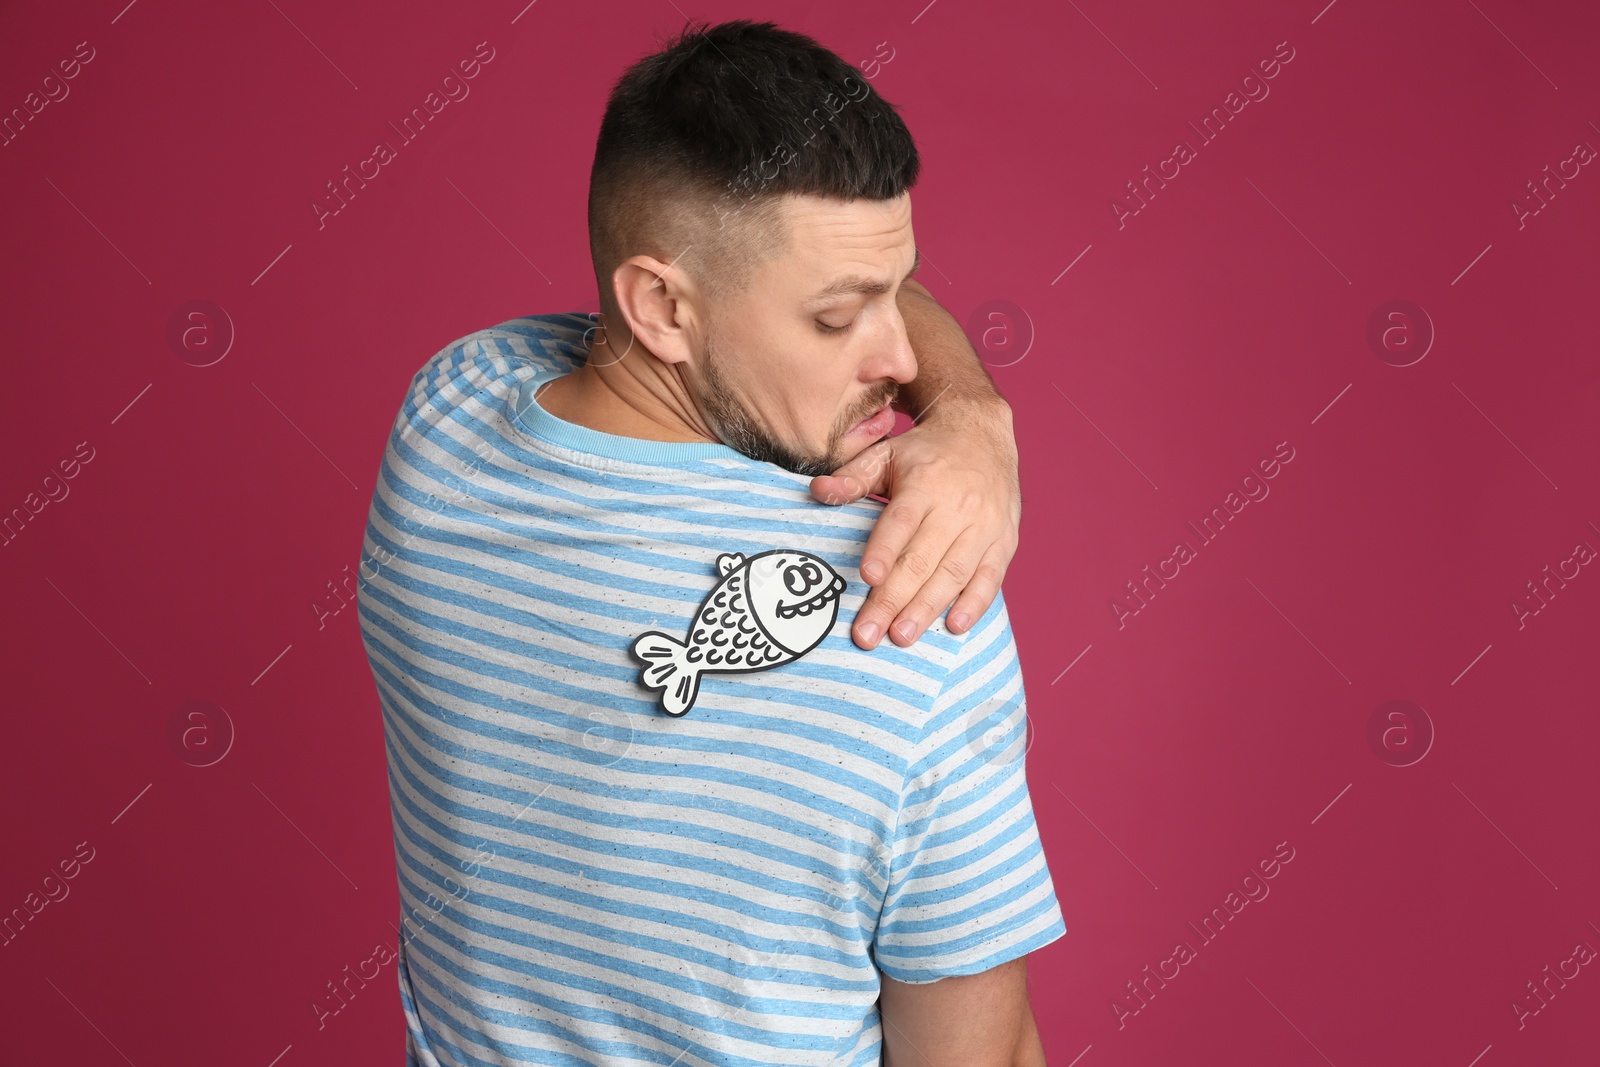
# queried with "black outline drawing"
point(674, 667)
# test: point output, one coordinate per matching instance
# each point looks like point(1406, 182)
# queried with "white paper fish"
point(768, 610)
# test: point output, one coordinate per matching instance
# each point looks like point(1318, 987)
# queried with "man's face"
point(791, 369)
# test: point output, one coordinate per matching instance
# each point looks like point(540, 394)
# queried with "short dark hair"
point(701, 140)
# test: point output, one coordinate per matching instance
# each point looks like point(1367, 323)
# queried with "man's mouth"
point(877, 424)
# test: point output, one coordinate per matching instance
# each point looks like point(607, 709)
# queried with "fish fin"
point(728, 562)
point(678, 698)
point(667, 669)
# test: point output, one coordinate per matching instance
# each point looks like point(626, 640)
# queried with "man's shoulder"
point(556, 341)
point(956, 674)
point(560, 335)
point(518, 348)
point(947, 695)
point(982, 659)
point(975, 724)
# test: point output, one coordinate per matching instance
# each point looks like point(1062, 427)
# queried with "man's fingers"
point(980, 592)
point(928, 575)
point(837, 488)
point(866, 473)
point(955, 573)
point(898, 523)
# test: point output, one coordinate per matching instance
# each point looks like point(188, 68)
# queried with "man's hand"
point(951, 524)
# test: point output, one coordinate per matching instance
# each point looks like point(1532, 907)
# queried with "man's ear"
point(657, 305)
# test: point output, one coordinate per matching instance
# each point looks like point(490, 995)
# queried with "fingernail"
point(960, 620)
point(873, 571)
point(906, 630)
point(869, 632)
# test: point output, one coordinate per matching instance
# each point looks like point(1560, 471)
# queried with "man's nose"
point(898, 360)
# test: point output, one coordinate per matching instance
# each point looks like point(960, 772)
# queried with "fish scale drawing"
point(767, 610)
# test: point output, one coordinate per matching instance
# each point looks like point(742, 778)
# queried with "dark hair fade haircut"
point(700, 141)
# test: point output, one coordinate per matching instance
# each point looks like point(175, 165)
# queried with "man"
point(652, 802)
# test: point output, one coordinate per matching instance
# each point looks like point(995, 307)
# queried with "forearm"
point(945, 545)
point(949, 372)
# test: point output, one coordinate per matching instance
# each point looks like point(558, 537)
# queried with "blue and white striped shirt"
point(587, 880)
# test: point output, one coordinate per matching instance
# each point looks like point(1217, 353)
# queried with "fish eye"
point(813, 575)
point(795, 580)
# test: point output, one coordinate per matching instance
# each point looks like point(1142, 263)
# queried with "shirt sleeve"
point(551, 344)
point(968, 888)
point(554, 343)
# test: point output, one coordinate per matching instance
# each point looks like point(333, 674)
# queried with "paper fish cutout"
point(768, 610)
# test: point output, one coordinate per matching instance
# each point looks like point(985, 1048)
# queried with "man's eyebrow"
point(854, 283)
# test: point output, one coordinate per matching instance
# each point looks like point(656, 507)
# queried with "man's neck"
point(616, 401)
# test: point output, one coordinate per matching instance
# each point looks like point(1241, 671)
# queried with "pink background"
point(1174, 748)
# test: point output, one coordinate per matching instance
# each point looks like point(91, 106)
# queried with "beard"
point(742, 431)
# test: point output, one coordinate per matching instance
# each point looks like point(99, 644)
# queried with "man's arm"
point(955, 503)
point(975, 1020)
point(947, 366)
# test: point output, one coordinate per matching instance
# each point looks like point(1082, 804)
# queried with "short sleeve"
point(556, 344)
point(551, 345)
point(969, 888)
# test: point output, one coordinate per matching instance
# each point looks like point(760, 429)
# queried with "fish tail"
point(668, 669)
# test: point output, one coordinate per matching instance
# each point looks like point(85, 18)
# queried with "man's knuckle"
point(918, 565)
point(957, 568)
point(969, 502)
point(928, 604)
point(989, 572)
point(888, 608)
point(901, 515)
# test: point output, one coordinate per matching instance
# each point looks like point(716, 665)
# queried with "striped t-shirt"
point(588, 879)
